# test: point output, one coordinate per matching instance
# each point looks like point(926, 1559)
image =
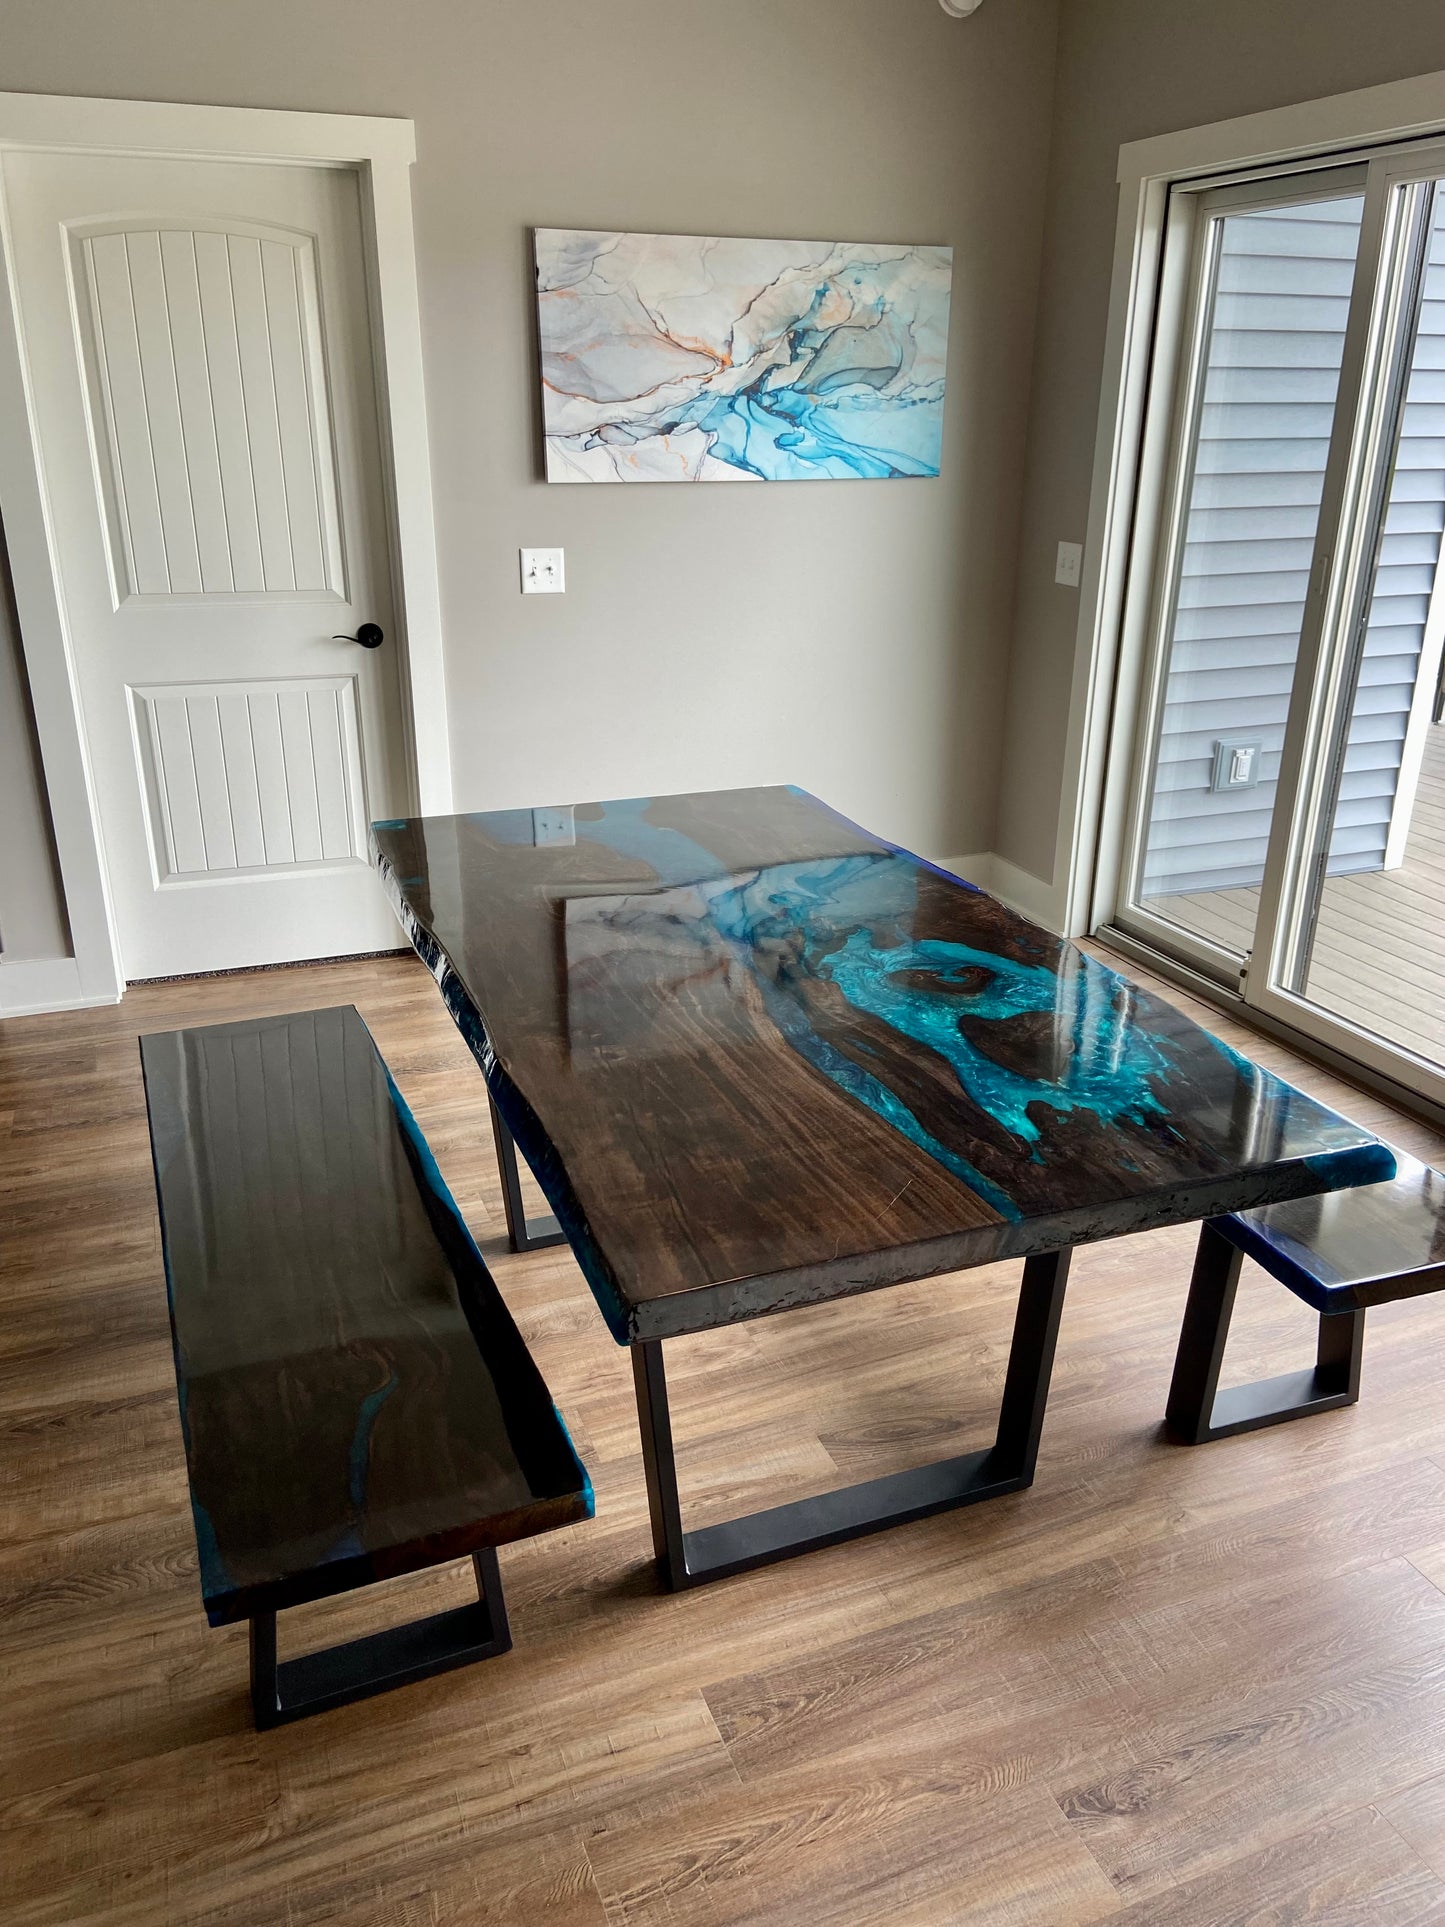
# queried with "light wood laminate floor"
point(1163, 1688)
point(1379, 953)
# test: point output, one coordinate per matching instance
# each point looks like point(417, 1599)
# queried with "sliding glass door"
point(1285, 827)
point(1274, 267)
point(1370, 941)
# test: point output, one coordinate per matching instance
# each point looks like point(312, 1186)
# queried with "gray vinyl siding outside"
point(1268, 406)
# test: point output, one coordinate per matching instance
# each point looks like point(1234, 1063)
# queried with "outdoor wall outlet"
point(542, 572)
point(1236, 763)
point(1070, 565)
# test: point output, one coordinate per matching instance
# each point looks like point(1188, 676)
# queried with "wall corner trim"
point(1020, 889)
point(30, 986)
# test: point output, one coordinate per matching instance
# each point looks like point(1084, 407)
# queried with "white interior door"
point(197, 340)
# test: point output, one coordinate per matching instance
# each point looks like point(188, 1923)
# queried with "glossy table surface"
point(355, 1398)
point(759, 1058)
point(1353, 1249)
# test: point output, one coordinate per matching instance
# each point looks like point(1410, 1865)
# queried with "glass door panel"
point(1274, 286)
point(1371, 949)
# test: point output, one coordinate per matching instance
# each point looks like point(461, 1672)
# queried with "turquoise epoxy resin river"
point(853, 923)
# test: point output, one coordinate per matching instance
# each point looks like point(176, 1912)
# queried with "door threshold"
point(1131, 950)
point(253, 970)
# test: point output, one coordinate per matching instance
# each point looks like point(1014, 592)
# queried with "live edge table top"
point(760, 1058)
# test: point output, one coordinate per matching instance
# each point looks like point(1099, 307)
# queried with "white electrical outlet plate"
point(1070, 566)
point(553, 826)
point(542, 572)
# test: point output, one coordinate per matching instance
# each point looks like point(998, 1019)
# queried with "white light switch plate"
point(1070, 565)
point(542, 572)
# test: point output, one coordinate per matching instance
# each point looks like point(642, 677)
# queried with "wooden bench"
point(356, 1400)
point(1341, 1253)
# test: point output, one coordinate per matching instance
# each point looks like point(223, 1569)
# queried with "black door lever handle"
point(368, 635)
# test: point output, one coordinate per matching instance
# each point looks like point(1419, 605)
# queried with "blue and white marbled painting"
point(673, 358)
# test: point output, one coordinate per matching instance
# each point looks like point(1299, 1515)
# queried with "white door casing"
point(253, 753)
point(201, 369)
point(1113, 631)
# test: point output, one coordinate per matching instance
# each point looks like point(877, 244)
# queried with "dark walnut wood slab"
point(758, 1057)
point(355, 1398)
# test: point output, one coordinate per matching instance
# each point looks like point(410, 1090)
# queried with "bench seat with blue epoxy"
point(356, 1400)
point(1340, 1253)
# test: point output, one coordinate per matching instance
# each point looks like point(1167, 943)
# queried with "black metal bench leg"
point(687, 1559)
point(1198, 1411)
point(523, 1233)
point(265, 1699)
point(1339, 1357)
point(488, 1575)
point(316, 1682)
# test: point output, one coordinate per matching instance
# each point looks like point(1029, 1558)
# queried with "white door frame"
point(381, 153)
point(1110, 638)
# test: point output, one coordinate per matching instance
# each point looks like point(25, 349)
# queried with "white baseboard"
point(1026, 892)
point(32, 985)
point(1019, 889)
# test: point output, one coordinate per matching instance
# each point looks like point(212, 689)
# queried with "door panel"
point(208, 411)
point(1370, 950)
point(1275, 285)
point(250, 776)
point(198, 346)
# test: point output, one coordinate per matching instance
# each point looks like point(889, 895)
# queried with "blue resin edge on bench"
point(1345, 1251)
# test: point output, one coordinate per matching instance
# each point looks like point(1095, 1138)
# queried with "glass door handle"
point(368, 635)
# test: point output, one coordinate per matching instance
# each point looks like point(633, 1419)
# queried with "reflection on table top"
point(759, 1057)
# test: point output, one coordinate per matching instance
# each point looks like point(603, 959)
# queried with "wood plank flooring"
point(1379, 957)
point(1163, 1688)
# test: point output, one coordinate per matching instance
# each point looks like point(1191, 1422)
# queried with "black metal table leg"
point(1198, 1411)
point(714, 1552)
point(523, 1233)
point(316, 1682)
point(1030, 1366)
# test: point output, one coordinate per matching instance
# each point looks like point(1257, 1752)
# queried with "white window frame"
point(380, 153)
point(1353, 499)
point(1169, 434)
point(1130, 464)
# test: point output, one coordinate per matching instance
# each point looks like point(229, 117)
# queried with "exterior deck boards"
point(1379, 959)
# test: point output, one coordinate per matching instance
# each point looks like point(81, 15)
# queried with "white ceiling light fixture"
point(960, 9)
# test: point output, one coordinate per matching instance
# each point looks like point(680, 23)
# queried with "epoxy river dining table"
point(758, 1058)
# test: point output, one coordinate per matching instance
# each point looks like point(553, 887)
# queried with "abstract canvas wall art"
point(675, 358)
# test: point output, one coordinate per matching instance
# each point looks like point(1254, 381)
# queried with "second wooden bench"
point(1340, 1253)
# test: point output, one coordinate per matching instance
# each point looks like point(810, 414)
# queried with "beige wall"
point(1128, 69)
point(32, 917)
point(851, 637)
